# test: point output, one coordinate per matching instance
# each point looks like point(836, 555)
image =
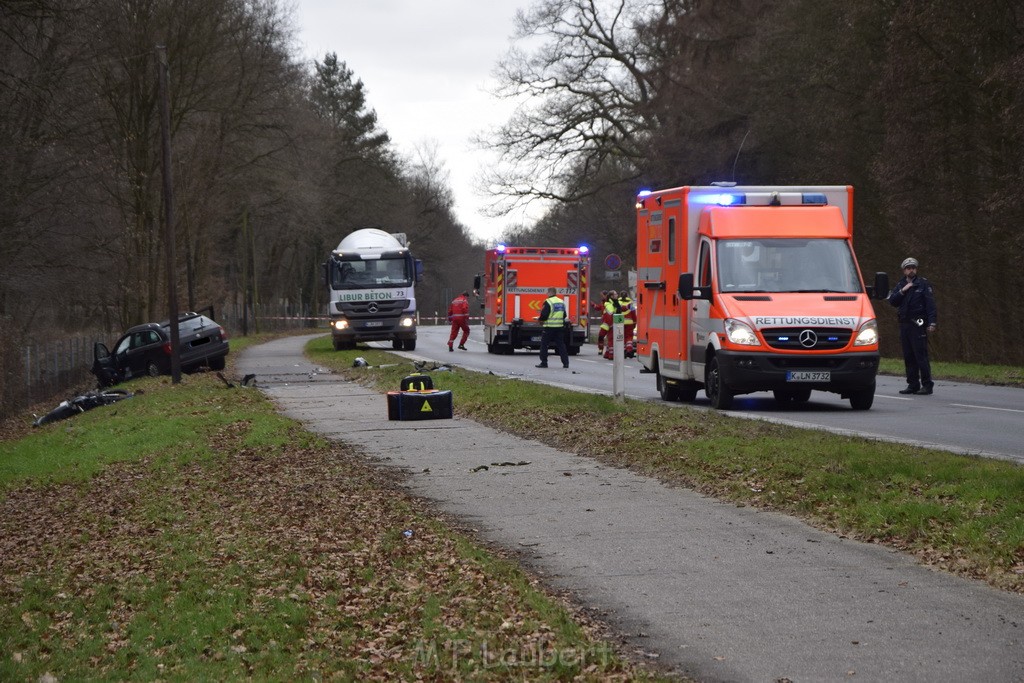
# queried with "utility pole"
point(165, 140)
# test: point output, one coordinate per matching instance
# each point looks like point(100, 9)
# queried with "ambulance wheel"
point(718, 393)
point(862, 400)
point(667, 391)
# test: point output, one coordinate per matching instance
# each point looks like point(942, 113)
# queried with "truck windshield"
point(360, 274)
point(786, 265)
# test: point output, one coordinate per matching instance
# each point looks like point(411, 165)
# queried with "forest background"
point(917, 104)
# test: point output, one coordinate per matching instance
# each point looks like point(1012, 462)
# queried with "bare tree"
point(584, 94)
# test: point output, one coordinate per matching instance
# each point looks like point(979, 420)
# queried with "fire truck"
point(514, 286)
point(745, 289)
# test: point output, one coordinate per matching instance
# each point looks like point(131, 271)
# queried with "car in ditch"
point(145, 350)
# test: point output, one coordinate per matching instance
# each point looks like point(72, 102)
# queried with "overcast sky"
point(425, 67)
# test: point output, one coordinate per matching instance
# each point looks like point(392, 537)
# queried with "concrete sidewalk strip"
point(717, 591)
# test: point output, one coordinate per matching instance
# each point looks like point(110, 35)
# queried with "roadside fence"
point(56, 365)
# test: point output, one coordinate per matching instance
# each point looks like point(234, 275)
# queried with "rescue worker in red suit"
point(458, 316)
point(607, 309)
point(629, 324)
point(624, 305)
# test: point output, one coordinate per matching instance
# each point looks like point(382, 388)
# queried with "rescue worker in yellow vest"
point(624, 305)
point(628, 324)
point(552, 319)
point(607, 311)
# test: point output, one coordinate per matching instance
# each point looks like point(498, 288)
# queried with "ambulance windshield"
point(786, 265)
point(360, 274)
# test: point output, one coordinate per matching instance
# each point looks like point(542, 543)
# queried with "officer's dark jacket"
point(917, 304)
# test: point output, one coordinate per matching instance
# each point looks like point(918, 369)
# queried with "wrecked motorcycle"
point(80, 404)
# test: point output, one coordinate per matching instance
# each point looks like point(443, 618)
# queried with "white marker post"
point(618, 357)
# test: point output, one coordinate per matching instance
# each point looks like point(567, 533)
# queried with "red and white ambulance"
point(745, 289)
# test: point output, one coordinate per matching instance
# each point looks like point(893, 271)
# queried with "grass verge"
point(1003, 375)
point(191, 533)
point(962, 514)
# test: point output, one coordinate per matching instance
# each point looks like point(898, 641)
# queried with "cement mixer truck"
point(371, 279)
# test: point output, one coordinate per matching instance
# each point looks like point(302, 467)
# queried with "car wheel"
point(718, 393)
point(152, 369)
point(217, 363)
point(410, 345)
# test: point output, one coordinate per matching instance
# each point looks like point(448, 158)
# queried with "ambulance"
point(746, 289)
point(515, 284)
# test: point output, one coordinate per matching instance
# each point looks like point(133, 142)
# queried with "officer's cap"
point(908, 262)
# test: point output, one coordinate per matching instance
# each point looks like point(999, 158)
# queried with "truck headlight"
point(407, 322)
point(867, 335)
point(740, 333)
point(340, 324)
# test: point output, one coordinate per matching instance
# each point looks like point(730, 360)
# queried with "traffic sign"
point(612, 261)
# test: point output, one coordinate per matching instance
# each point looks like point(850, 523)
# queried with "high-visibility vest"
point(556, 312)
point(606, 318)
point(628, 311)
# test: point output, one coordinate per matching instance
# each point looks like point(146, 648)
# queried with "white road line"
point(1005, 410)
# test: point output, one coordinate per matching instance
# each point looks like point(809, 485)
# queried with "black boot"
point(910, 390)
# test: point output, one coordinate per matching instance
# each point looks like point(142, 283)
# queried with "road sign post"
point(618, 357)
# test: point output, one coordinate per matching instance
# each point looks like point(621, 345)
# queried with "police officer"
point(915, 309)
point(552, 318)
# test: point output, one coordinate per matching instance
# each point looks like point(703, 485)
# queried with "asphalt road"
point(960, 417)
point(719, 592)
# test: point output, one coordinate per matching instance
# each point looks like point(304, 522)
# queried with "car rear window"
point(195, 324)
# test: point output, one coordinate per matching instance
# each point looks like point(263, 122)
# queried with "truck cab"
point(370, 280)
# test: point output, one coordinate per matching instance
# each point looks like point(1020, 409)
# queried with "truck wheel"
point(410, 344)
point(396, 344)
point(338, 344)
point(862, 400)
point(574, 350)
point(720, 396)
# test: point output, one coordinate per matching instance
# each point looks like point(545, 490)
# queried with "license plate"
point(535, 339)
point(375, 323)
point(809, 376)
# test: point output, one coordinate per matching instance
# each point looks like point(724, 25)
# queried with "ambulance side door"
point(700, 319)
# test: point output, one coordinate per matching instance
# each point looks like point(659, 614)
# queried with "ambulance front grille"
point(807, 338)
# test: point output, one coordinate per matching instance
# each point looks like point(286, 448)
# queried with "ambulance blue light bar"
point(500, 248)
point(584, 249)
point(761, 198)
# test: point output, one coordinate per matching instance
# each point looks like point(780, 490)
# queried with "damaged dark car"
point(145, 350)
